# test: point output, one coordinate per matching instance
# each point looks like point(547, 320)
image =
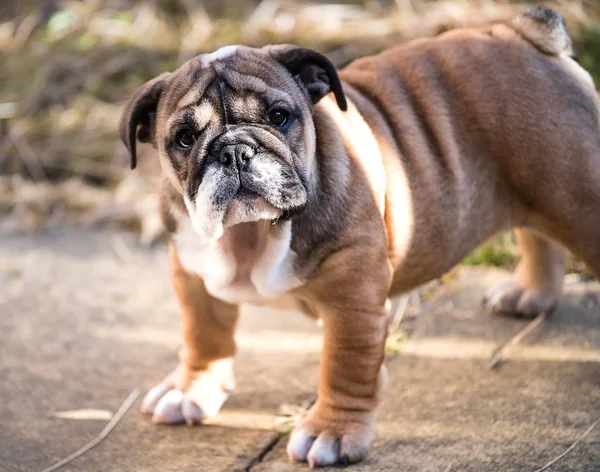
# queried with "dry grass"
point(68, 67)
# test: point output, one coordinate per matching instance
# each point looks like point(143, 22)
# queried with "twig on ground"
point(501, 354)
point(105, 432)
point(554, 461)
point(449, 468)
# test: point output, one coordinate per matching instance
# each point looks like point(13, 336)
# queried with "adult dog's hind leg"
point(538, 280)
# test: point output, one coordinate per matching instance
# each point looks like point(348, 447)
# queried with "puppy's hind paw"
point(513, 298)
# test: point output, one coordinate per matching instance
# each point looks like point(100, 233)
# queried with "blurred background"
point(69, 66)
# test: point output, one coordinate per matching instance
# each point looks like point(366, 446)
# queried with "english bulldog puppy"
point(285, 178)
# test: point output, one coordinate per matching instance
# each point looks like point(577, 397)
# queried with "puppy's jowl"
point(285, 178)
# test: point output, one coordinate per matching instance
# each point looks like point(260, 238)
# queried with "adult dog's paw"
point(329, 437)
point(190, 396)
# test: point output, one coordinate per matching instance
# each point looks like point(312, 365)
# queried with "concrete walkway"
point(85, 318)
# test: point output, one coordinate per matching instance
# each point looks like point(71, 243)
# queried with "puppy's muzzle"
point(250, 163)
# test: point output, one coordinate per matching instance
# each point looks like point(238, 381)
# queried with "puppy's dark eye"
point(278, 117)
point(185, 138)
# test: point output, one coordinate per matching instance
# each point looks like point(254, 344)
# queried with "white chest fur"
point(250, 263)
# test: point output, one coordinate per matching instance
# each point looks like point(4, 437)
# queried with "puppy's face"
point(234, 131)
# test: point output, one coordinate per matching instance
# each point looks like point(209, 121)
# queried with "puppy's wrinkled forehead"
point(236, 83)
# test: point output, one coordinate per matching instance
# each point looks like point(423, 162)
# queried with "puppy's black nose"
point(242, 154)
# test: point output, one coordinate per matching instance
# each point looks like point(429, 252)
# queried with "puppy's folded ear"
point(314, 70)
point(140, 112)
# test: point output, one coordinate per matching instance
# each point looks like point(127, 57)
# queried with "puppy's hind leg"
point(538, 280)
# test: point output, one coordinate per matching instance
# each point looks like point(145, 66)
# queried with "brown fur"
point(446, 141)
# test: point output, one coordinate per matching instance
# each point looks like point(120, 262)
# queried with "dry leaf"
point(85, 414)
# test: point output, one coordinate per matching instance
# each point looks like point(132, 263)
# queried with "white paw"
point(514, 298)
point(321, 443)
point(174, 407)
point(198, 396)
point(317, 451)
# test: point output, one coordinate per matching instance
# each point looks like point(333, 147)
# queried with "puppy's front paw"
point(190, 396)
point(330, 436)
point(515, 298)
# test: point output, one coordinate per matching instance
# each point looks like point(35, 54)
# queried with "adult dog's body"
point(269, 194)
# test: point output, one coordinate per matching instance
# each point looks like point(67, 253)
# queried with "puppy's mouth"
point(245, 194)
point(248, 205)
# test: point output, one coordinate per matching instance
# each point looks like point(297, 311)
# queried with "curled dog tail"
point(545, 29)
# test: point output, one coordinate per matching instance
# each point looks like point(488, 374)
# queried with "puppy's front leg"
point(341, 424)
point(204, 378)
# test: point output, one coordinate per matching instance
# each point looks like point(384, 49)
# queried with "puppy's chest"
point(250, 263)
